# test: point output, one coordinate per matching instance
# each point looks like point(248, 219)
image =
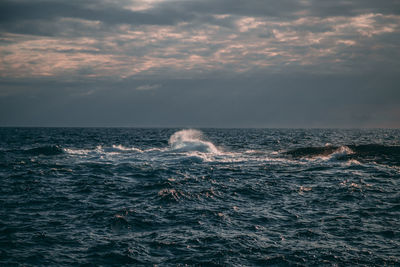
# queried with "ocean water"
point(212, 197)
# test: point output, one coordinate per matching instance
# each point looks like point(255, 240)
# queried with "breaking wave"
point(191, 144)
point(184, 141)
point(313, 152)
point(191, 140)
point(355, 153)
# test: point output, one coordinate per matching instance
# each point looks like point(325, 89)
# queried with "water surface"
point(101, 196)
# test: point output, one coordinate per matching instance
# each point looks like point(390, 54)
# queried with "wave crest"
point(191, 140)
point(325, 153)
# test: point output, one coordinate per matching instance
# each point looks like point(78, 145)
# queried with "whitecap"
point(353, 162)
point(120, 148)
point(337, 154)
point(77, 151)
point(191, 140)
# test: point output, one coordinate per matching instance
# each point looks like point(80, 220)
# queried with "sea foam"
point(191, 140)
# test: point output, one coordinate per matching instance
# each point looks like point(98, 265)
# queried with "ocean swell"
point(45, 150)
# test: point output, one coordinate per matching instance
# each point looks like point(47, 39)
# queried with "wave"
point(120, 148)
point(376, 149)
point(45, 150)
point(187, 144)
point(77, 151)
point(191, 145)
point(114, 149)
point(311, 152)
point(339, 153)
point(369, 152)
point(191, 140)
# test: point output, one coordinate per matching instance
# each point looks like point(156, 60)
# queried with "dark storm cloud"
point(15, 11)
point(233, 7)
point(165, 13)
point(353, 7)
point(171, 12)
point(43, 17)
point(283, 8)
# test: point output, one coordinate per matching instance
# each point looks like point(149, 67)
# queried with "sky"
point(200, 63)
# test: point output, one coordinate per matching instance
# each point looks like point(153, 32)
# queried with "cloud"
point(147, 87)
point(14, 11)
point(248, 44)
point(200, 45)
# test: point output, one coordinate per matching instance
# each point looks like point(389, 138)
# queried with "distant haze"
point(200, 63)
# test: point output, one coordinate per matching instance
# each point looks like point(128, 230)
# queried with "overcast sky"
point(200, 63)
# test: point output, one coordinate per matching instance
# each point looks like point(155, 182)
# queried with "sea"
point(199, 197)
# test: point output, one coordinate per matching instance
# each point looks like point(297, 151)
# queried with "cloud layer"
point(152, 44)
point(51, 38)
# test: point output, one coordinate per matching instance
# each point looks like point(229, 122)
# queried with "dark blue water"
point(107, 196)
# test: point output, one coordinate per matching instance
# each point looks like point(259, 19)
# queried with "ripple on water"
point(218, 197)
